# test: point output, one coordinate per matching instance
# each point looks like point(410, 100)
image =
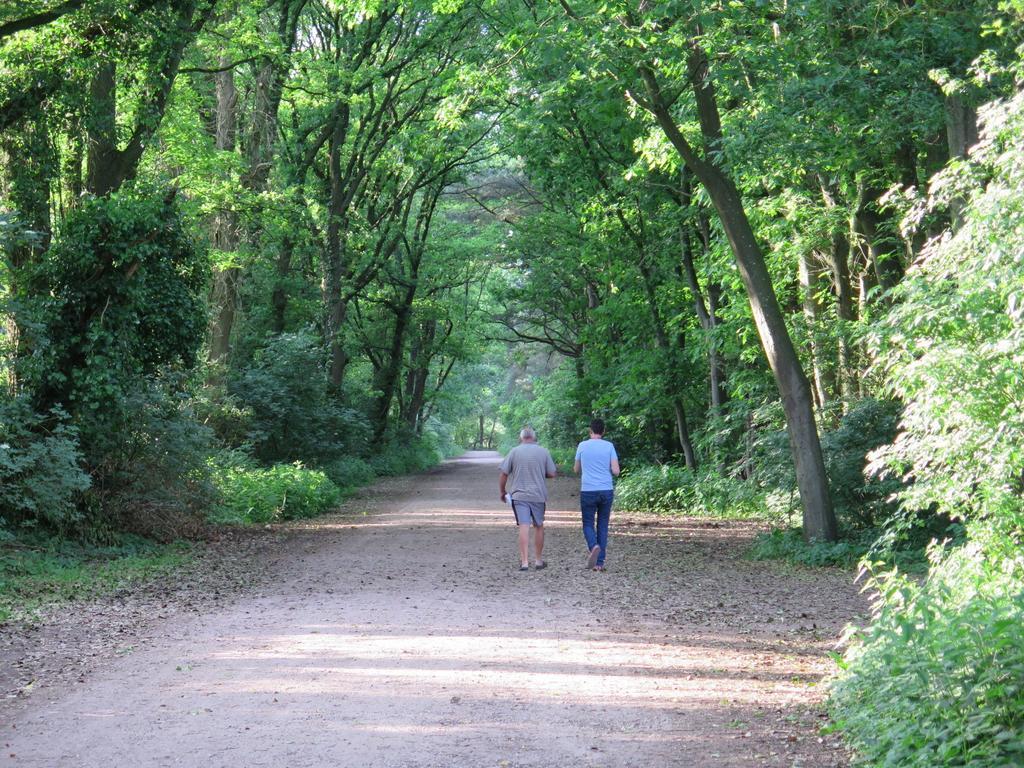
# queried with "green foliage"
point(788, 544)
point(290, 413)
point(550, 404)
point(407, 456)
point(35, 570)
point(862, 499)
point(952, 347)
point(350, 472)
point(153, 479)
point(676, 490)
point(769, 489)
point(41, 475)
point(122, 295)
point(936, 679)
point(281, 492)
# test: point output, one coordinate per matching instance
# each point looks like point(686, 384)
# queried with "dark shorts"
point(528, 512)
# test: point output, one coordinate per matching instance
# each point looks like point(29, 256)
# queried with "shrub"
point(861, 499)
point(292, 415)
point(938, 677)
point(116, 304)
point(677, 490)
point(40, 467)
point(282, 492)
point(404, 457)
point(122, 298)
point(154, 480)
point(225, 414)
point(788, 544)
point(350, 472)
point(952, 346)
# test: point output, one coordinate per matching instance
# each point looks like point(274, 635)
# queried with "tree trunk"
point(719, 393)
point(961, 135)
point(419, 370)
point(818, 516)
point(706, 314)
point(839, 266)
point(663, 343)
point(260, 142)
point(335, 268)
point(810, 285)
point(107, 165)
point(101, 133)
point(279, 294)
point(386, 379)
point(884, 259)
point(225, 226)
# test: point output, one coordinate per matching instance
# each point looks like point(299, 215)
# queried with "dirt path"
point(405, 636)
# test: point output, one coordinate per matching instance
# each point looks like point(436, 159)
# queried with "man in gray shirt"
point(522, 485)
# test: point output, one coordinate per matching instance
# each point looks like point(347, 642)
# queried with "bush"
point(405, 457)
point(113, 308)
point(282, 492)
point(564, 458)
point(938, 677)
point(225, 414)
point(292, 415)
point(154, 480)
point(677, 490)
point(952, 345)
point(40, 467)
point(350, 472)
point(788, 544)
point(861, 500)
point(118, 297)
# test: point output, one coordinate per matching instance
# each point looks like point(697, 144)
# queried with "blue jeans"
point(596, 504)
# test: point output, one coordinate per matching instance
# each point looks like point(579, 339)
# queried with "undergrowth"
point(937, 679)
point(281, 492)
point(668, 489)
point(788, 544)
point(36, 571)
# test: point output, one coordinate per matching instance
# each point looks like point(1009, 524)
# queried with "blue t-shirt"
point(595, 458)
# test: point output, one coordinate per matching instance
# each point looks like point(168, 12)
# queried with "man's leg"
point(538, 544)
point(524, 544)
point(588, 508)
point(604, 516)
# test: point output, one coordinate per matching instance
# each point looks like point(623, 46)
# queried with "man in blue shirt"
point(598, 462)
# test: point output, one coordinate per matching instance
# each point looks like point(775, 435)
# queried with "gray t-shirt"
point(526, 466)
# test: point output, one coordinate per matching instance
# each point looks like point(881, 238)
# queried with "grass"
point(36, 572)
point(787, 544)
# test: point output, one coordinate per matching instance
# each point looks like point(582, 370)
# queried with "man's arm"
point(577, 467)
point(502, 479)
point(614, 466)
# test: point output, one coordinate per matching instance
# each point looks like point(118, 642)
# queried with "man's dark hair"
point(597, 426)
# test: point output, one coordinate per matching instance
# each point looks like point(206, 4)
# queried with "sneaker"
point(594, 554)
point(540, 566)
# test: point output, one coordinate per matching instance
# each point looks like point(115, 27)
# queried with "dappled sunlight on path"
point(399, 633)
